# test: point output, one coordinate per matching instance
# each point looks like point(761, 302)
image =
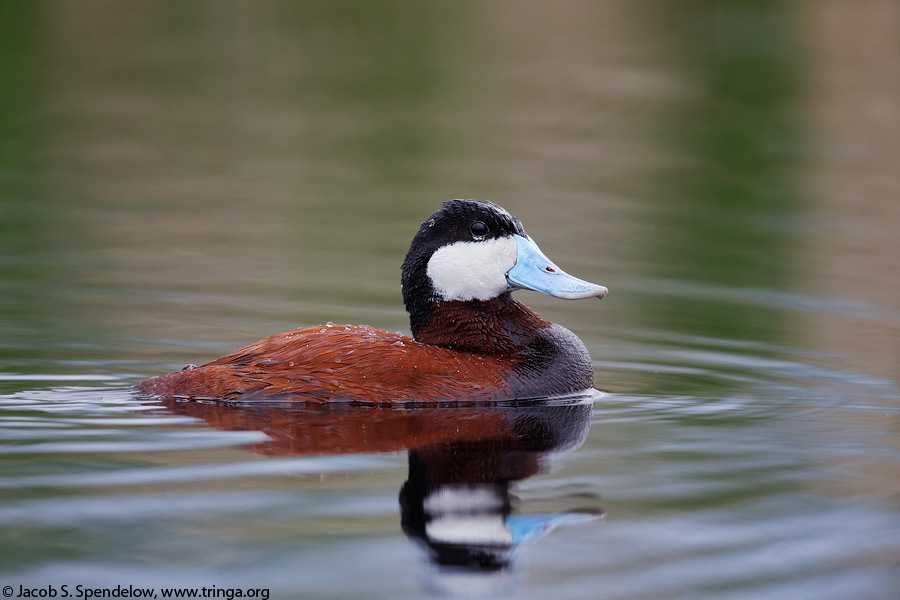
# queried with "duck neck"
point(500, 325)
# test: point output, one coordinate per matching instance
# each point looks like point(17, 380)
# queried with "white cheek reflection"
point(471, 529)
point(472, 270)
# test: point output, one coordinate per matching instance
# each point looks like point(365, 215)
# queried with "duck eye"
point(479, 229)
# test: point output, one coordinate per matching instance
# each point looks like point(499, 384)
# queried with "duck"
point(471, 340)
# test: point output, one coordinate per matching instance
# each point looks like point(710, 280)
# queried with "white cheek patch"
point(472, 270)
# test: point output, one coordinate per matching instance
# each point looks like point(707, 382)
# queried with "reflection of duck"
point(471, 339)
point(456, 501)
point(457, 498)
point(297, 429)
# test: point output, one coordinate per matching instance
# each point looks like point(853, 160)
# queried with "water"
point(181, 179)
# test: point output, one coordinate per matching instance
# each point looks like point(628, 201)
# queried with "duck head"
point(474, 252)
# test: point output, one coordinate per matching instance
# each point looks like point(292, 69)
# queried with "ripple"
point(768, 298)
point(191, 474)
point(166, 441)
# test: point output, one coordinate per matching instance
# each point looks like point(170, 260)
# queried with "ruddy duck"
point(471, 341)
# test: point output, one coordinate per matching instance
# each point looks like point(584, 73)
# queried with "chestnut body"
point(507, 352)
